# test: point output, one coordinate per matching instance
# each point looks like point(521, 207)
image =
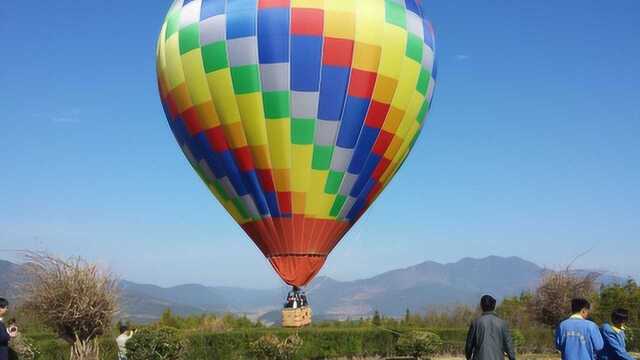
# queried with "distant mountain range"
point(422, 287)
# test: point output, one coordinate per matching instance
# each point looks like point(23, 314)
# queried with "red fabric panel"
point(362, 83)
point(337, 52)
point(307, 21)
point(216, 138)
point(377, 114)
point(263, 4)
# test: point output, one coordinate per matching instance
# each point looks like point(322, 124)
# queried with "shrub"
point(419, 344)
point(25, 348)
point(155, 344)
point(518, 338)
point(271, 347)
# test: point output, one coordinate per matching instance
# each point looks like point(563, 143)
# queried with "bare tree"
point(75, 298)
point(552, 300)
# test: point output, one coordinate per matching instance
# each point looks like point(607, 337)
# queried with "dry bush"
point(76, 299)
point(552, 300)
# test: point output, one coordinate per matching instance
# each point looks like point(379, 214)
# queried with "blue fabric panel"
point(273, 35)
point(272, 201)
point(368, 137)
point(365, 175)
point(211, 8)
point(306, 56)
point(241, 18)
point(413, 7)
point(352, 120)
point(253, 184)
point(333, 89)
point(233, 173)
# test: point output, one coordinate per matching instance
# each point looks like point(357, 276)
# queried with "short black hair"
point(579, 304)
point(4, 303)
point(488, 303)
point(123, 327)
point(619, 316)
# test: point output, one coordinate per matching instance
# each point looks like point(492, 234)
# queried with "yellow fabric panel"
point(366, 57)
point(406, 84)
point(160, 50)
point(195, 76)
point(394, 42)
point(393, 120)
point(174, 72)
point(301, 156)
point(282, 179)
point(384, 89)
point(298, 200)
point(339, 24)
point(261, 156)
point(340, 5)
point(369, 21)
point(223, 96)
point(182, 97)
point(318, 4)
point(315, 199)
point(279, 132)
point(327, 201)
point(235, 135)
point(393, 147)
point(252, 114)
point(208, 115)
point(410, 116)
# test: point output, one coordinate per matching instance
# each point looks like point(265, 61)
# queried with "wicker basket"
point(296, 317)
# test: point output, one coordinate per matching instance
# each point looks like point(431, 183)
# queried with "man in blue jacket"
point(614, 337)
point(5, 334)
point(578, 338)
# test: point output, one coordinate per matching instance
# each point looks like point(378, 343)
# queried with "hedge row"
point(319, 343)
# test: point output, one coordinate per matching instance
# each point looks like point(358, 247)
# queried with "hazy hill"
point(420, 287)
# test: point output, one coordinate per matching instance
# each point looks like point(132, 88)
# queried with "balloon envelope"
point(296, 113)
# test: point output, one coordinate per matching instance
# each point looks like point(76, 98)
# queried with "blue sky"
point(532, 147)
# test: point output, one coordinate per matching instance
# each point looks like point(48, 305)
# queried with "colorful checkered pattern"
point(296, 113)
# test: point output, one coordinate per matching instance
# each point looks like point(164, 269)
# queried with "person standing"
point(489, 337)
point(5, 334)
point(121, 340)
point(576, 337)
point(615, 347)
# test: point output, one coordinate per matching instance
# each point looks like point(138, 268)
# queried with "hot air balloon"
point(296, 113)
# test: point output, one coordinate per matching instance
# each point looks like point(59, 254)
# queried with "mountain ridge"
point(420, 288)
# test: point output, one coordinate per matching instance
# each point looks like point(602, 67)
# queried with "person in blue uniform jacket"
point(578, 338)
point(5, 334)
point(614, 338)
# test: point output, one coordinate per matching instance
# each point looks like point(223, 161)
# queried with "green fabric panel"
point(276, 104)
point(302, 131)
point(333, 182)
point(395, 14)
point(189, 38)
point(337, 205)
point(173, 21)
point(240, 206)
point(321, 157)
point(246, 79)
point(214, 56)
point(414, 47)
point(423, 82)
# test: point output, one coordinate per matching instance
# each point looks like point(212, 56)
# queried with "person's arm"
point(558, 339)
point(612, 339)
point(596, 339)
point(507, 343)
point(470, 344)
point(4, 335)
